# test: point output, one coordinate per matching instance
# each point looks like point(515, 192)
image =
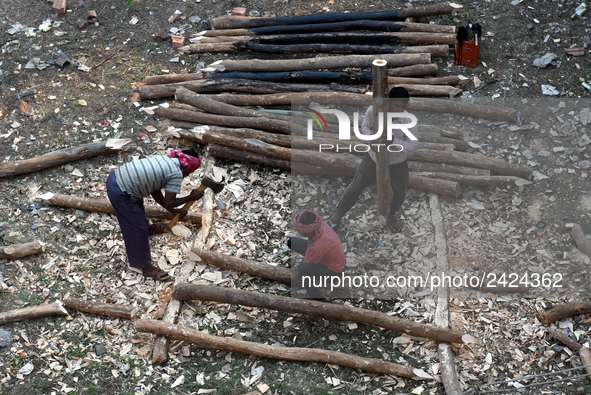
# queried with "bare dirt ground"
point(489, 230)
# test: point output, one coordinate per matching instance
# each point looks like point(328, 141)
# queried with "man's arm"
point(169, 201)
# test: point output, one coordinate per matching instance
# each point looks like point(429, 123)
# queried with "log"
point(172, 78)
point(263, 123)
point(256, 269)
point(416, 70)
point(464, 179)
point(465, 159)
point(439, 51)
point(581, 240)
point(56, 158)
point(271, 138)
point(251, 145)
point(238, 85)
point(449, 133)
point(445, 168)
point(250, 157)
point(563, 310)
point(353, 38)
point(17, 251)
point(104, 206)
point(236, 22)
point(584, 352)
point(379, 71)
point(431, 137)
point(108, 309)
point(29, 313)
point(430, 90)
point(326, 62)
point(415, 103)
point(451, 80)
point(441, 187)
point(314, 308)
point(187, 334)
point(161, 344)
point(334, 27)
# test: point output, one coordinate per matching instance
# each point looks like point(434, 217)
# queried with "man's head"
point(398, 99)
point(307, 223)
point(188, 158)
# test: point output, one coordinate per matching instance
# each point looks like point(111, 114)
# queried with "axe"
point(206, 182)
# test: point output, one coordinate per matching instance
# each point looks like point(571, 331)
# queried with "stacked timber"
point(441, 165)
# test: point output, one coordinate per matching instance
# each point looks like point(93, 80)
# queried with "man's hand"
point(195, 194)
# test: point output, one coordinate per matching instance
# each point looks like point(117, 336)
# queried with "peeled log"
point(108, 309)
point(325, 62)
point(256, 269)
point(581, 240)
point(464, 159)
point(29, 313)
point(560, 311)
point(314, 308)
point(445, 168)
point(104, 206)
point(238, 22)
point(239, 85)
point(371, 25)
point(250, 157)
point(476, 180)
point(17, 251)
point(56, 158)
point(187, 334)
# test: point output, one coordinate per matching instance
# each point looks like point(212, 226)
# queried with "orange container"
point(467, 51)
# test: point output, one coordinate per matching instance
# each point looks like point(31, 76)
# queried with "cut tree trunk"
point(430, 90)
point(251, 145)
point(271, 138)
point(581, 240)
point(417, 70)
point(464, 159)
point(172, 78)
point(314, 308)
point(104, 206)
point(326, 62)
point(17, 251)
point(56, 158)
point(415, 103)
point(108, 309)
point(187, 334)
point(238, 85)
point(379, 71)
point(370, 25)
point(460, 145)
point(256, 269)
point(29, 313)
point(352, 38)
point(249, 157)
point(237, 22)
point(446, 168)
point(441, 187)
point(476, 180)
point(452, 134)
point(436, 51)
point(563, 310)
point(224, 120)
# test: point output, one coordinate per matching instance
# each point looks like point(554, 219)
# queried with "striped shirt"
point(144, 176)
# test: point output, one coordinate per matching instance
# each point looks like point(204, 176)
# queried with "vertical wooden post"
point(379, 72)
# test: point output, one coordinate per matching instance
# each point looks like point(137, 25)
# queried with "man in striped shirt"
point(131, 183)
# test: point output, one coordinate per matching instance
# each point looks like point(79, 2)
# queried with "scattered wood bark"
point(581, 240)
point(56, 158)
point(353, 38)
point(17, 251)
point(28, 313)
point(108, 309)
point(436, 51)
point(236, 22)
point(327, 62)
point(370, 25)
point(256, 269)
point(184, 333)
point(314, 308)
point(563, 310)
point(584, 352)
point(104, 206)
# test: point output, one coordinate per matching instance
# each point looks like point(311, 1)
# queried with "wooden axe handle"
point(184, 210)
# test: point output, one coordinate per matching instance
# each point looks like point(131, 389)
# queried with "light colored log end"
point(46, 196)
point(420, 374)
point(379, 63)
point(467, 339)
point(117, 144)
point(62, 308)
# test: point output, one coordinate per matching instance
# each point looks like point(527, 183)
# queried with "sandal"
point(156, 228)
point(394, 225)
point(156, 273)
